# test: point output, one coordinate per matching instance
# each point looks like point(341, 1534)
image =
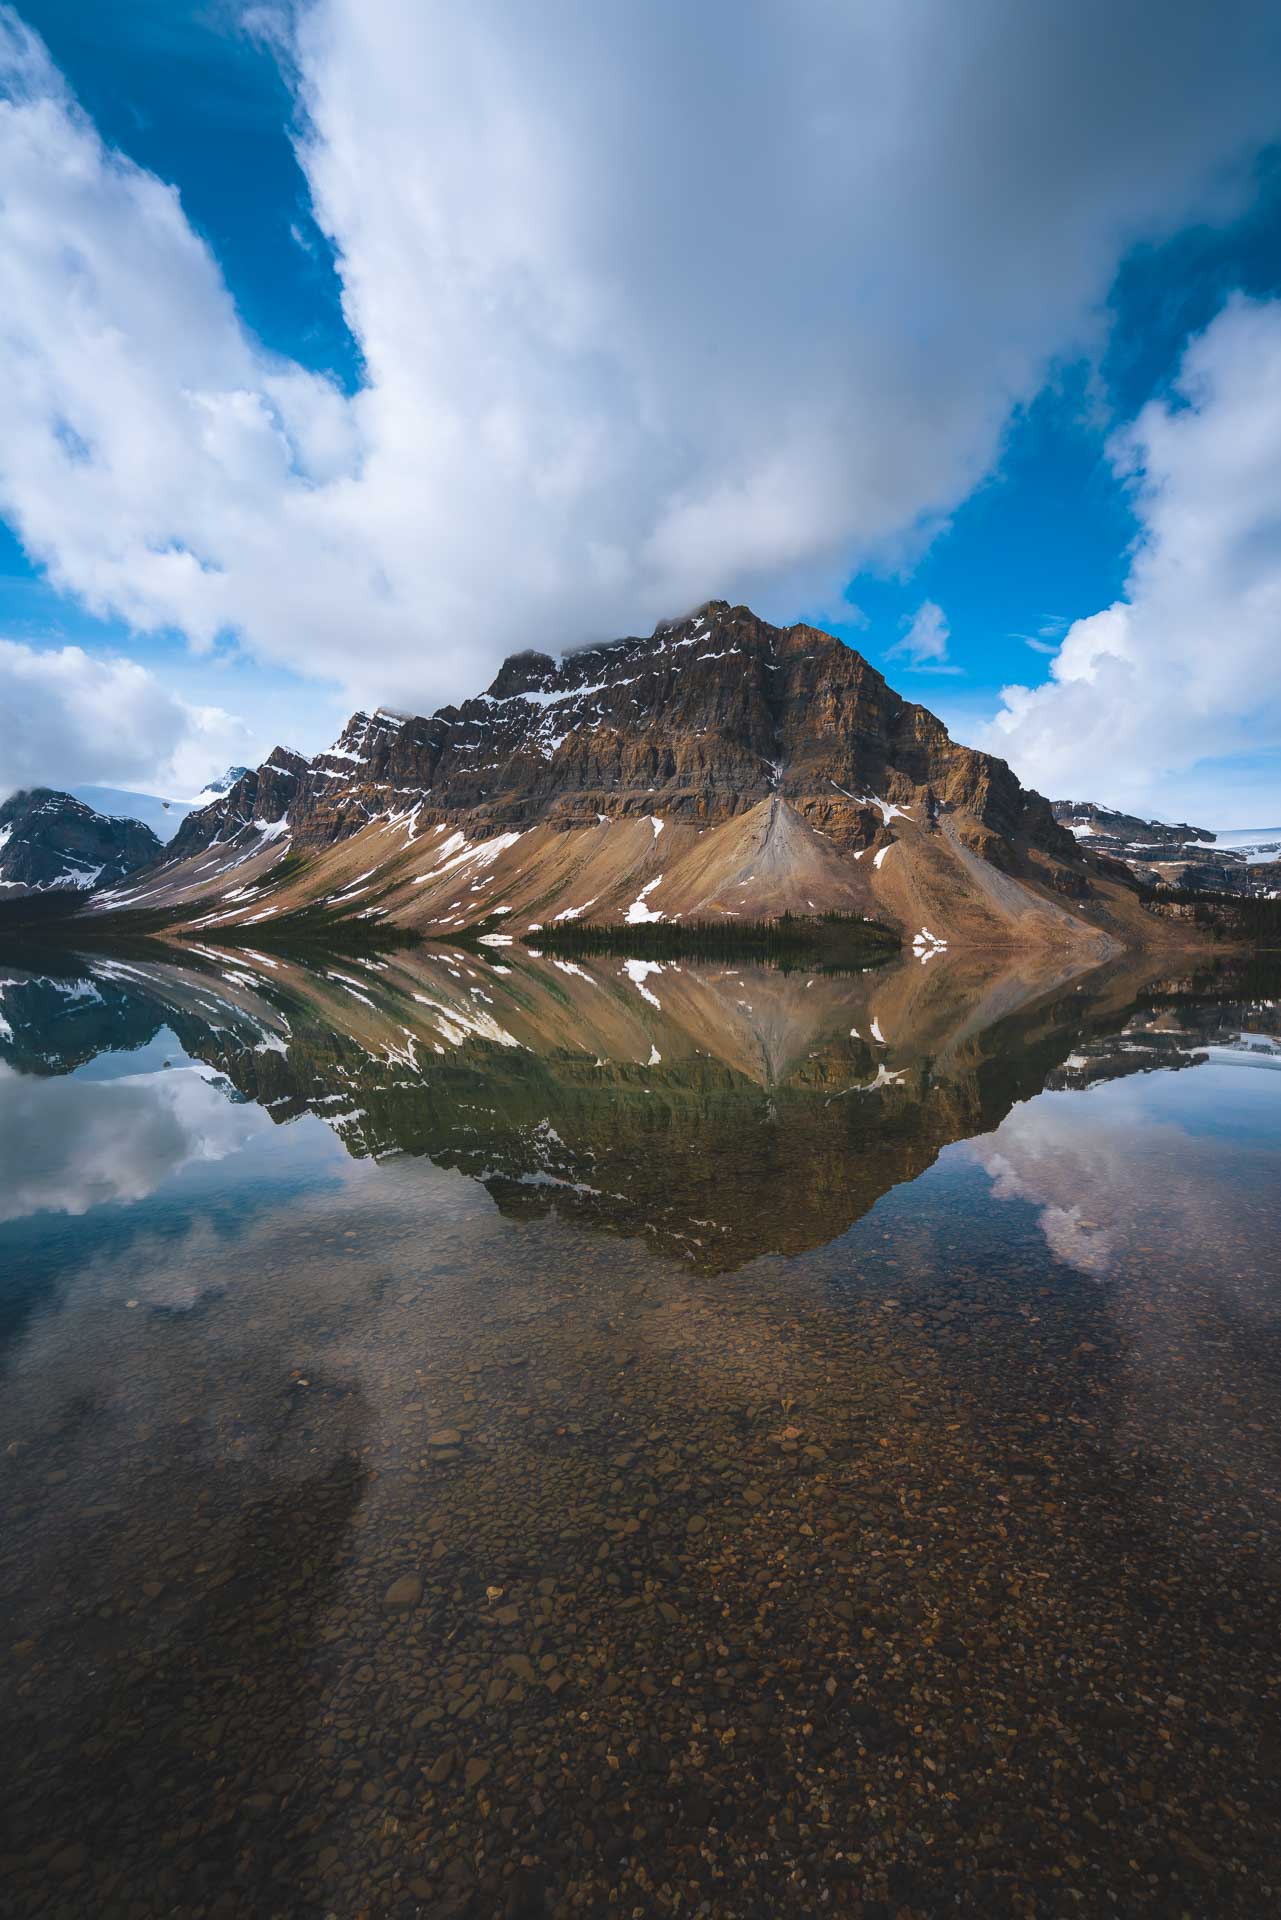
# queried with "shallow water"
point(489, 1436)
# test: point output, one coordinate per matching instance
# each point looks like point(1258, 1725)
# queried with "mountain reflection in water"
point(484, 1432)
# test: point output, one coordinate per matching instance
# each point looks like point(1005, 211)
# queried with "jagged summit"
point(214, 789)
point(720, 766)
point(520, 672)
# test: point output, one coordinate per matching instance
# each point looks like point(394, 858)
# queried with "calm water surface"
point(496, 1437)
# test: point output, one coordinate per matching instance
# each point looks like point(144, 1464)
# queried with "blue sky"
point(474, 361)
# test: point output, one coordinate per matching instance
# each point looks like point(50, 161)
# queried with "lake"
point(491, 1435)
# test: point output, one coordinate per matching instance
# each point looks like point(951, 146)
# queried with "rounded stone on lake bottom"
point(404, 1594)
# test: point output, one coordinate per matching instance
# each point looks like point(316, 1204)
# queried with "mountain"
point(216, 788)
point(164, 817)
point(721, 767)
point(1176, 856)
point(1086, 820)
point(53, 841)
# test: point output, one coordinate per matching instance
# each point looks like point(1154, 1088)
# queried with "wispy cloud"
point(924, 645)
point(1048, 635)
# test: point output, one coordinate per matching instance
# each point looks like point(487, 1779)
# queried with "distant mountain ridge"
point(721, 767)
point(1087, 820)
point(52, 842)
point(162, 813)
point(1159, 854)
point(216, 788)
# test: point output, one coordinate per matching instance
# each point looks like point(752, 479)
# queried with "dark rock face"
point(1126, 829)
point(701, 721)
point(260, 796)
point(1171, 856)
point(48, 840)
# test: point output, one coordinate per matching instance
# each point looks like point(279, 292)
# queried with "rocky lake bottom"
point(483, 1435)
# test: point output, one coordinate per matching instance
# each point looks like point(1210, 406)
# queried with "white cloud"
point(924, 645)
point(1187, 666)
point(69, 718)
point(653, 304)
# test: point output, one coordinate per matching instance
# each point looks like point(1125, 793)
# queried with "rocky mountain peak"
point(521, 673)
point(753, 768)
point(708, 613)
point(286, 760)
point(702, 720)
point(222, 783)
point(50, 841)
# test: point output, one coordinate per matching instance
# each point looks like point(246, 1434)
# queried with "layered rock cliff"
point(701, 721)
point(721, 766)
